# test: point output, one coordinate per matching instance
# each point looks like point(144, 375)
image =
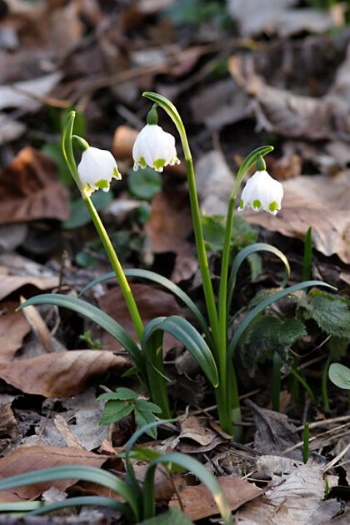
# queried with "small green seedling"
point(123, 402)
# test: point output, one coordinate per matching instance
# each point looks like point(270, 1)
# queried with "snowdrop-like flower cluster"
point(96, 169)
point(262, 192)
point(155, 148)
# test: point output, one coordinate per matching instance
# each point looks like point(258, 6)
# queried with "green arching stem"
point(225, 264)
point(170, 109)
point(67, 147)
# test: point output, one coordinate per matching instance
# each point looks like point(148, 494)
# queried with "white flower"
point(96, 169)
point(155, 148)
point(262, 192)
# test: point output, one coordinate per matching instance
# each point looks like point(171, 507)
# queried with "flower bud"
point(262, 192)
point(155, 148)
point(96, 169)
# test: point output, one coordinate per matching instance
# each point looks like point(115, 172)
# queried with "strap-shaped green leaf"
point(264, 304)
point(186, 334)
point(83, 500)
point(94, 314)
point(165, 283)
point(80, 472)
point(244, 253)
point(194, 466)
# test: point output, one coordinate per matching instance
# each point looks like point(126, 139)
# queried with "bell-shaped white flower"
point(155, 148)
point(96, 169)
point(262, 192)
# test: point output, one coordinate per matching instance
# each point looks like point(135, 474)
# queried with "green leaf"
point(80, 216)
point(331, 312)
point(266, 336)
point(163, 281)
point(174, 516)
point(144, 184)
point(339, 375)
point(143, 418)
point(247, 252)
point(79, 472)
point(186, 334)
point(79, 502)
point(115, 411)
point(94, 314)
point(214, 232)
point(264, 304)
point(121, 393)
point(147, 406)
point(201, 472)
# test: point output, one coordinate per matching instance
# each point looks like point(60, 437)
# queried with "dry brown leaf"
point(169, 227)
point(216, 107)
point(214, 183)
point(26, 95)
point(274, 433)
point(297, 500)
point(152, 302)
point(198, 502)
point(13, 328)
point(256, 16)
point(29, 459)
point(280, 111)
point(60, 374)
point(29, 189)
point(317, 201)
point(13, 283)
point(196, 430)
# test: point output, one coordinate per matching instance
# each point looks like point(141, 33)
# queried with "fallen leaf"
point(30, 189)
point(10, 129)
point(198, 501)
point(281, 111)
point(214, 183)
point(274, 16)
point(168, 229)
point(274, 433)
point(196, 430)
point(297, 500)
point(28, 459)
point(13, 283)
point(215, 108)
point(26, 95)
point(60, 374)
point(151, 301)
point(13, 328)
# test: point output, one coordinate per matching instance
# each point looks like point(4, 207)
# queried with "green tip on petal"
point(159, 164)
point(257, 204)
point(273, 206)
point(102, 185)
point(142, 162)
point(241, 205)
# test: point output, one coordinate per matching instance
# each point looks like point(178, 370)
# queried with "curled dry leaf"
point(30, 189)
point(60, 374)
point(13, 328)
point(28, 459)
point(198, 502)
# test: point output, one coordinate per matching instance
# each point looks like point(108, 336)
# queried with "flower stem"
point(117, 267)
point(67, 147)
point(170, 109)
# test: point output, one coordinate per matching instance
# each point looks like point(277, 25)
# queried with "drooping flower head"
point(262, 192)
point(153, 146)
point(96, 169)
